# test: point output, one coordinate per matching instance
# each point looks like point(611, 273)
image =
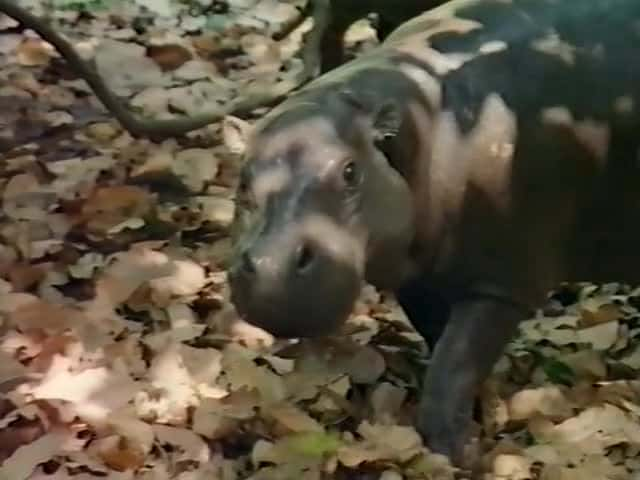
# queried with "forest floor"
point(120, 354)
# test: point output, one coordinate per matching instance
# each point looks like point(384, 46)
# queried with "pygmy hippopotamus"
point(486, 152)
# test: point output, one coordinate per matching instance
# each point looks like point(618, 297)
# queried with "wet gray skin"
point(312, 219)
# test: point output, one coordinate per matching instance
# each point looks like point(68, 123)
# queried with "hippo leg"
point(472, 342)
point(385, 27)
point(427, 311)
point(332, 46)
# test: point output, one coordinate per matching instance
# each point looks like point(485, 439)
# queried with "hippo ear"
point(385, 118)
point(386, 121)
point(351, 98)
point(235, 133)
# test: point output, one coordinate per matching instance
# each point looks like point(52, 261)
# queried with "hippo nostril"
point(247, 263)
point(304, 258)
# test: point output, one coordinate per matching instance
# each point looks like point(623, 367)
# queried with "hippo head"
point(320, 211)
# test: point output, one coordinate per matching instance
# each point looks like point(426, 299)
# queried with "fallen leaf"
point(117, 454)
point(387, 400)
point(549, 401)
point(173, 390)
point(195, 167)
point(27, 457)
point(512, 467)
point(34, 52)
point(169, 57)
point(366, 366)
point(94, 392)
point(190, 445)
point(293, 419)
point(601, 336)
point(379, 443)
point(185, 278)
point(126, 67)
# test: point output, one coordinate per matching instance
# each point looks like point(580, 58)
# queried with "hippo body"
point(484, 153)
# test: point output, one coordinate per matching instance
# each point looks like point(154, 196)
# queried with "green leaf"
point(558, 372)
point(314, 444)
point(79, 5)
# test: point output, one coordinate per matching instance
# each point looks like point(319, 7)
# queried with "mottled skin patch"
point(593, 136)
point(493, 47)
point(624, 105)
point(553, 45)
point(491, 171)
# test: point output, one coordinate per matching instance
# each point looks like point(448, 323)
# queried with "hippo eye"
point(351, 174)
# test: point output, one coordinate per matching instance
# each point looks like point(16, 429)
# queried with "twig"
point(141, 127)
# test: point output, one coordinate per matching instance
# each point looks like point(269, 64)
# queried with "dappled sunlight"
point(122, 356)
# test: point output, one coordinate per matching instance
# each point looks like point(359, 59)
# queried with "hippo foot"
point(444, 432)
point(462, 359)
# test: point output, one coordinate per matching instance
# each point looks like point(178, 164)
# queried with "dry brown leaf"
point(201, 97)
point(169, 57)
point(34, 52)
point(601, 336)
point(204, 366)
point(45, 316)
point(365, 366)
point(87, 265)
point(598, 309)
point(27, 457)
point(495, 409)
point(108, 207)
point(242, 372)
point(512, 467)
point(128, 271)
point(592, 431)
point(10, 368)
point(190, 445)
point(24, 198)
point(139, 435)
point(381, 442)
point(216, 418)
point(218, 211)
point(195, 167)
point(186, 278)
point(152, 101)
point(172, 389)
point(387, 400)
point(116, 453)
point(126, 67)
point(24, 275)
point(279, 364)
point(632, 359)
point(94, 392)
point(586, 364)
point(293, 419)
point(549, 401)
point(210, 422)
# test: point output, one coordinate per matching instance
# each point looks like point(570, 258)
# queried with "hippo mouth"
point(276, 327)
point(295, 311)
point(282, 322)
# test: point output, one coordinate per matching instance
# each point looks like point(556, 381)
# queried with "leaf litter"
point(120, 354)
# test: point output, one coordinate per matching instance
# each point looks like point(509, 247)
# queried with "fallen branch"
point(312, 48)
point(151, 128)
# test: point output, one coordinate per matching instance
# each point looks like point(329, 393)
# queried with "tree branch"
point(143, 127)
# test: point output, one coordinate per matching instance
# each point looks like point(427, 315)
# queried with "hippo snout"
point(252, 265)
point(294, 288)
